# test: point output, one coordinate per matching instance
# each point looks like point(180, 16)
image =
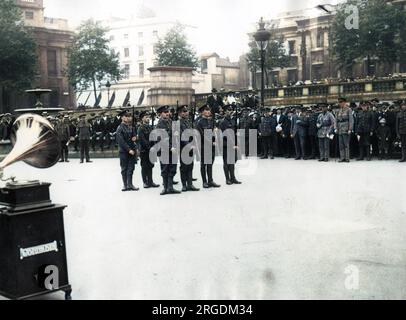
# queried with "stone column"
point(170, 85)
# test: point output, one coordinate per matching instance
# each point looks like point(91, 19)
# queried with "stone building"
point(53, 38)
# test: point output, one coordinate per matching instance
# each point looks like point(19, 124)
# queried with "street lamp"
point(108, 85)
point(262, 37)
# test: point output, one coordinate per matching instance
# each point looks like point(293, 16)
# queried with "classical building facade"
point(307, 40)
point(53, 38)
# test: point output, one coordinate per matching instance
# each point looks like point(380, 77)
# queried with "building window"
point(52, 65)
point(320, 39)
point(29, 15)
point(204, 64)
point(292, 76)
point(142, 70)
point(126, 71)
point(292, 47)
point(155, 33)
point(141, 51)
point(140, 34)
point(317, 72)
point(126, 52)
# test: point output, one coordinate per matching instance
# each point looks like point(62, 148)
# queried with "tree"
point(91, 61)
point(174, 50)
point(275, 56)
point(381, 33)
point(18, 50)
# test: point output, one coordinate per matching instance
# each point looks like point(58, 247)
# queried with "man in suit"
point(364, 129)
point(300, 124)
point(84, 130)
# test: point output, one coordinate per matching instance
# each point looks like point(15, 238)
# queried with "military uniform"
point(300, 124)
point(229, 160)
point(401, 131)
point(169, 165)
point(62, 128)
point(145, 145)
point(325, 125)
point(383, 133)
point(83, 130)
point(345, 125)
point(125, 134)
point(364, 128)
point(267, 129)
point(207, 156)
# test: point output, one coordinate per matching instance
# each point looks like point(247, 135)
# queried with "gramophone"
point(32, 237)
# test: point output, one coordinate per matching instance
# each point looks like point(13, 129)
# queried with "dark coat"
point(124, 137)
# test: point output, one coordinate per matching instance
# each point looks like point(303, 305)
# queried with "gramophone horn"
point(35, 142)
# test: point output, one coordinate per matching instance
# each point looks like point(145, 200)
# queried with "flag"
point(97, 102)
point(113, 97)
point(141, 99)
point(127, 99)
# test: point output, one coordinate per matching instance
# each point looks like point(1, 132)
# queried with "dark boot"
point(227, 174)
point(125, 186)
point(151, 181)
point(212, 184)
point(190, 186)
point(233, 178)
point(361, 153)
point(403, 155)
point(165, 190)
point(171, 190)
point(130, 184)
point(145, 178)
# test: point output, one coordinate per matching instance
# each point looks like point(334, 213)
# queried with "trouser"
point(403, 141)
point(76, 145)
point(274, 144)
point(364, 145)
point(267, 146)
point(229, 166)
point(64, 150)
point(206, 170)
point(375, 144)
point(324, 146)
point(313, 146)
point(300, 146)
point(127, 164)
point(84, 150)
point(146, 169)
point(344, 146)
point(168, 172)
point(186, 173)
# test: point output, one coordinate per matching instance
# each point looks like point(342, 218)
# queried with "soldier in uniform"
point(325, 124)
point(229, 164)
point(144, 132)
point(83, 131)
point(215, 102)
point(126, 139)
point(206, 123)
point(401, 129)
point(313, 133)
point(168, 168)
point(267, 131)
point(186, 169)
point(300, 124)
point(364, 130)
point(62, 128)
point(344, 129)
point(383, 134)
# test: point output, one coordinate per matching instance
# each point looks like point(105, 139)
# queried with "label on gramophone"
point(34, 251)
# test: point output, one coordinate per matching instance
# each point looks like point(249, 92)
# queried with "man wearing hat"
point(186, 169)
point(383, 134)
point(267, 131)
point(144, 132)
point(250, 101)
point(126, 139)
point(300, 125)
point(325, 125)
point(62, 128)
point(215, 102)
point(230, 156)
point(83, 131)
point(344, 128)
point(206, 128)
point(169, 165)
point(364, 129)
point(401, 129)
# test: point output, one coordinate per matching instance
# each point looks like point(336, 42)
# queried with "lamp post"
point(262, 37)
point(108, 85)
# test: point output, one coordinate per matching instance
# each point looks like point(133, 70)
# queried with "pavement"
point(292, 230)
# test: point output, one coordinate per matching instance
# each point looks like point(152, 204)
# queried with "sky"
point(221, 25)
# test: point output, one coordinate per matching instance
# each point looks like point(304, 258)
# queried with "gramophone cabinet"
point(32, 238)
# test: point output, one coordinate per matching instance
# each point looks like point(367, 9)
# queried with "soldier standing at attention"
point(186, 170)
point(401, 129)
point(325, 125)
point(126, 139)
point(144, 132)
point(364, 131)
point(344, 129)
point(229, 162)
point(206, 125)
point(62, 128)
point(84, 132)
point(168, 166)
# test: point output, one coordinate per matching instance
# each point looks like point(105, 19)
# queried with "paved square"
point(291, 231)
